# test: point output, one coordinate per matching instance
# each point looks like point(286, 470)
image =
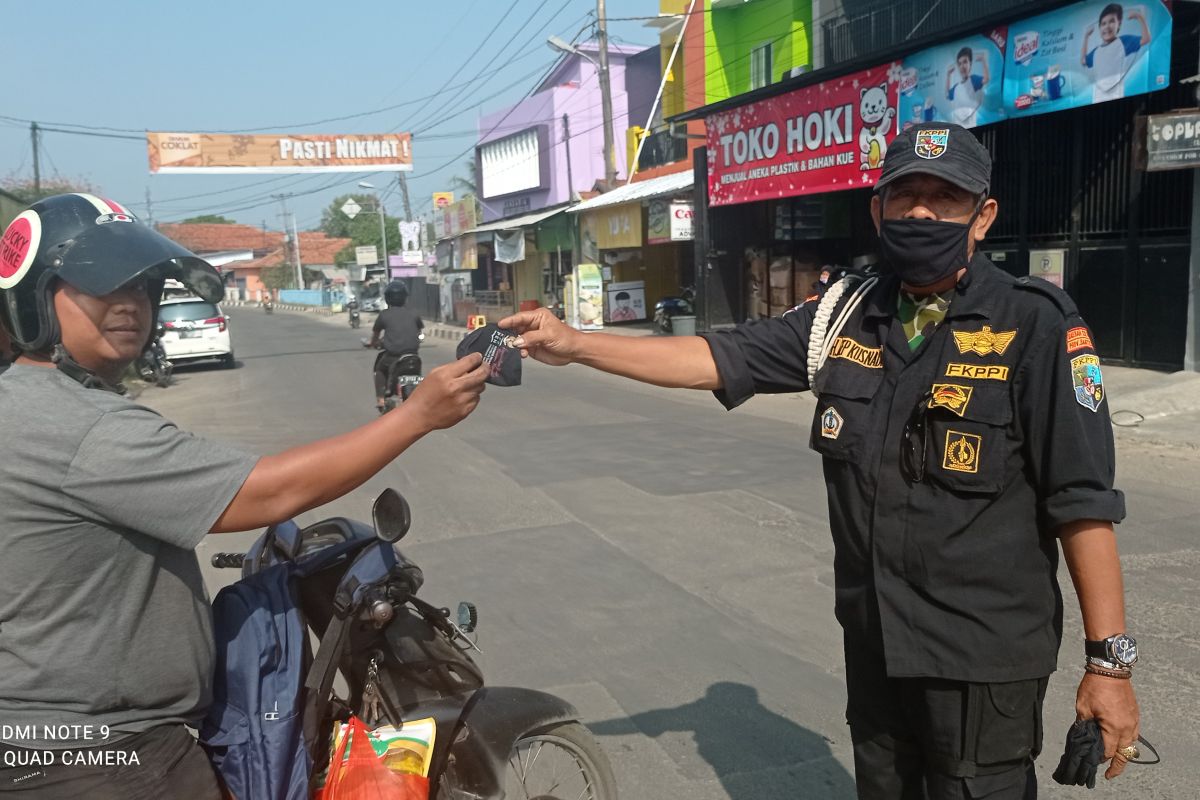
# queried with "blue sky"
point(223, 65)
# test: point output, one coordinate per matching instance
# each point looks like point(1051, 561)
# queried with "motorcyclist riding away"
point(398, 331)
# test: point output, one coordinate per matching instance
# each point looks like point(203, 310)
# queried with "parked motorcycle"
point(668, 307)
point(352, 310)
point(406, 659)
point(152, 365)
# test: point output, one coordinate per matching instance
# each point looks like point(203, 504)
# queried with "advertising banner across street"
point(279, 153)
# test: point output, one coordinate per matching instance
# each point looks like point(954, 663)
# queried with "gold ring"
point(1130, 752)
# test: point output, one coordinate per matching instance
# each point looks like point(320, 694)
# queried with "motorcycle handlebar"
point(228, 560)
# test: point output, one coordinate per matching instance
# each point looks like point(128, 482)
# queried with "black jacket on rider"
point(398, 328)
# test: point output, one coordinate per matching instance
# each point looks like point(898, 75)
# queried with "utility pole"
point(610, 164)
point(149, 208)
point(37, 164)
point(403, 181)
point(567, 141)
point(288, 218)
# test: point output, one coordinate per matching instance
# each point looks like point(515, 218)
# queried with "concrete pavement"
point(666, 565)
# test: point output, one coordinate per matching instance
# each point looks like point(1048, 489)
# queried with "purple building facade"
point(521, 161)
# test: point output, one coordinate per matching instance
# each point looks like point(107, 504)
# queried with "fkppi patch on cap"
point(18, 248)
point(932, 142)
point(500, 354)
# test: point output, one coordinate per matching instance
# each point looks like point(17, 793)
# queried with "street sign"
point(366, 255)
point(351, 208)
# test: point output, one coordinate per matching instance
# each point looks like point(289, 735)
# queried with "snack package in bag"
point(384, 764)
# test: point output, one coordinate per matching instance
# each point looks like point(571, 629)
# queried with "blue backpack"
point(253, 731)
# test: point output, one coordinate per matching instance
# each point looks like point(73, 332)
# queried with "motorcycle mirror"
point(468, 617)
point(391, 515)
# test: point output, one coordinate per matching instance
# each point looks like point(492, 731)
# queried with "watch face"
point(1124, 650)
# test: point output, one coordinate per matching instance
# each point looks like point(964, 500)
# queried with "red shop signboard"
point(821, 138)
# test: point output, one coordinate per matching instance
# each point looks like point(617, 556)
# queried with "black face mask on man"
point(925, 251)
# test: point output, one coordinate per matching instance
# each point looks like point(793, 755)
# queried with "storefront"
point(517, 263)
point(789, 173)
point(640, 237)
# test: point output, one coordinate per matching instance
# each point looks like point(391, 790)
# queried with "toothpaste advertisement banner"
point(958, 82)
point(1086, 53)
point(821, 138)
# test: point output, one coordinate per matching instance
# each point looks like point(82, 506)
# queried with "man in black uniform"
point(398, 330)
point(963, 429)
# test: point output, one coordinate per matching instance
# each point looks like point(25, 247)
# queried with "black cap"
point(943, 149)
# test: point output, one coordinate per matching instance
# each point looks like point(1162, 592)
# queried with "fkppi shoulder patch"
point(1087, 381)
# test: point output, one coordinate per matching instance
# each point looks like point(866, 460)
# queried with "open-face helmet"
point(96, 246)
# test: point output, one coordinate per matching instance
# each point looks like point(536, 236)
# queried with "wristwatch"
point(1120, 650)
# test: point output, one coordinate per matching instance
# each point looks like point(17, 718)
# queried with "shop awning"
point(642, 190)
point(515, 223)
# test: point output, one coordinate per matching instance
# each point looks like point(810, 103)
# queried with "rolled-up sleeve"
point(1069, 434)
point(766, 356)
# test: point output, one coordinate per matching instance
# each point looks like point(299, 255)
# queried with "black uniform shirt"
point(951, 571)
point(399, 327)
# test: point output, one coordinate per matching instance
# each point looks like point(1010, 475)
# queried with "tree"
point(23, 189)
point(470, 184)
point(214, 219)
point(363, 230)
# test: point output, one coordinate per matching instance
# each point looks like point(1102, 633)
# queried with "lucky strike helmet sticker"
point(19, 247)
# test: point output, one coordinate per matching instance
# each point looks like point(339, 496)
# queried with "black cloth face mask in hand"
point(1083, 754)
point(496, 346)
point(925, 251)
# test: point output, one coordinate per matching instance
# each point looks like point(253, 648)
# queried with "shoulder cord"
point(820, 341)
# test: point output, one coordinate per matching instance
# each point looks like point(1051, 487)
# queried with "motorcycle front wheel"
point(561, 762)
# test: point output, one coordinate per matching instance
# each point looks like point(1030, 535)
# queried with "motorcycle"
point(668, 307)
point(268, 307)
point(403, 375)
point(352, 309)
point(152, 365)
point(406, 659)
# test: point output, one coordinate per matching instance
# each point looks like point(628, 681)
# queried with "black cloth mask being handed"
point(924, 251)
point(499, 352)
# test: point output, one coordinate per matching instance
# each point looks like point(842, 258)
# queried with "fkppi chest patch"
point(962, 452)
point(984, 341)
point(951, 396)
point(1087, 381)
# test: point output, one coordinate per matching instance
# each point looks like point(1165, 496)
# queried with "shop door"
point(1161, 306)
point(1098, 288)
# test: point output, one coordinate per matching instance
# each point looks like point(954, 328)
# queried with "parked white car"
point(195, 329)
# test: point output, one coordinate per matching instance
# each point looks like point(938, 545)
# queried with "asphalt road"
point(666, 565)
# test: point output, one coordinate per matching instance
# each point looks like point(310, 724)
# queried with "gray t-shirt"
point(104, 618)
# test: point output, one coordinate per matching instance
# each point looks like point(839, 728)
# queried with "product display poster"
point(1086, 53)
point(961, 82)
point(626, 301)
point(591, 297)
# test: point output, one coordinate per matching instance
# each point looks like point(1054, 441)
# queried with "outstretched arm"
point(284, 485)
point(1083, 53)
point(983, 63)
point(680, 362)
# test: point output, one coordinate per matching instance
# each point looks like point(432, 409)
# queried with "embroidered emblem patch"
point(984, 341)
point(932, 142)
point(831, 423)
point(951, 396)
point(983, 372)
point(870, 357)
point(1079, 339)
point(962, 452)
point(1088, 382)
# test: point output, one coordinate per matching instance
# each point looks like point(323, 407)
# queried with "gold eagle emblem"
point(984, 341)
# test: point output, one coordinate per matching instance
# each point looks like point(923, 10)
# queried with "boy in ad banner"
point(957, 81)
point(1087, 53)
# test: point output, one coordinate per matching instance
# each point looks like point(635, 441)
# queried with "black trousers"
point(383, 367)
point(933, 739)
point(170, 764)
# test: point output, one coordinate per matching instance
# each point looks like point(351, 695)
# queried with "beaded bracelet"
point(1123, 674)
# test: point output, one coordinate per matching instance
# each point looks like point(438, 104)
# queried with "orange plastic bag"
point(363, 776)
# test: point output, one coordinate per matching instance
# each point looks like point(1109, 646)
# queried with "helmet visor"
point(103, 259)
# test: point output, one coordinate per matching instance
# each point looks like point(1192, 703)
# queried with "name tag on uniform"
point(870, 357)
point(986, 372)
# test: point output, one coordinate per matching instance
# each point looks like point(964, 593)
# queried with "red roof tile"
point(316, 249)
point(205, 237)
